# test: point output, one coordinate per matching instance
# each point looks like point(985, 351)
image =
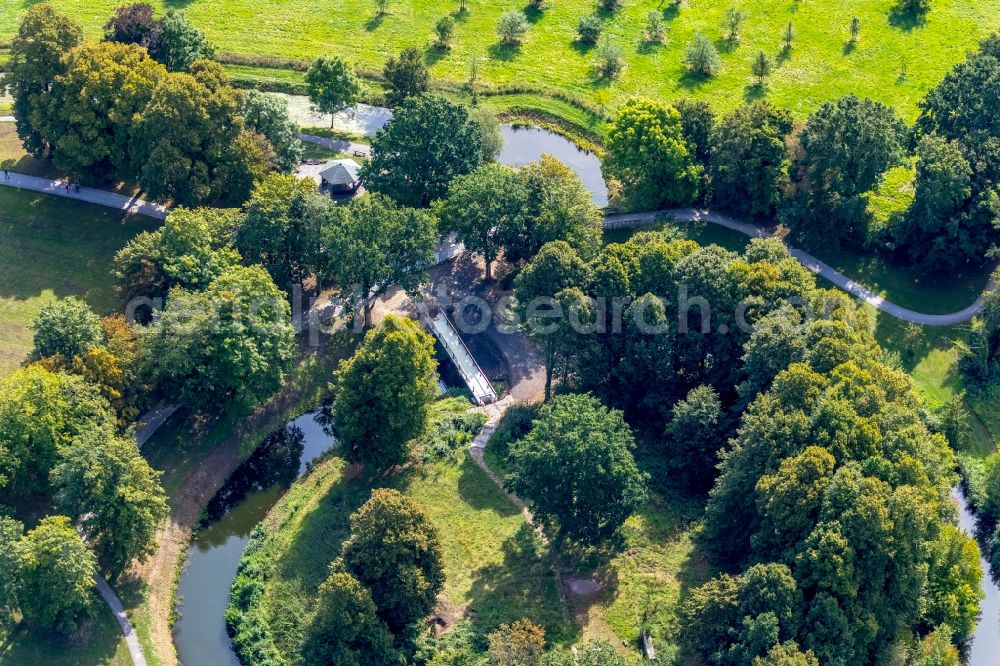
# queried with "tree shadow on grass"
point(849, 46)
point(906, 20)
point(754, 91)
point(504, 52)
point(479, 491)
point(523, 584)
point(434, 53)
point(582, 47)
point(646, 47)
point(374, 22)
point(691, 80)
point(533, 14)
point(726, 45)
point(783, 55)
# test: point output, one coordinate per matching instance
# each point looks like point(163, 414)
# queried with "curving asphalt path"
point(631, 220)
point(614, 221)
point(350, 147)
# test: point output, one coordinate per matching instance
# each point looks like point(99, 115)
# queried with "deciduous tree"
point(67, 327)
point(333, 85)
point(384, 393)
point(267, 115)
point(406, 76)
point(346, 630)
point(181, 44)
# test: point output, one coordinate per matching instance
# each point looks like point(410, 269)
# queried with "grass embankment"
point(50, 248)
point(821, 65)
point(99, 643)
point(197, 453)
point(497, 570)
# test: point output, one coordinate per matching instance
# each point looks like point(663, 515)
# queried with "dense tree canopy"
point(384, 393)
point(10, 571)
point(346, 630)
point(135, 24)
point(373, 244)
point(693, 436)
point(394, 551)
point(485, 210)
point(104, 484)
point(267, 115)
point(749, 166)
point(649, 155)
point(180, 44)
point(57, 576)
point(428, 142)
point(228, 345)
point(41, 412)
point(36, 53)
point(406, 76)
point(576, 468)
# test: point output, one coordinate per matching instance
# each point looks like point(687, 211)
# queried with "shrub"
point(512, 27)
point(444, 30)
point(589, 29)
point(656, 30)
point(610, 59)
point(702, 57)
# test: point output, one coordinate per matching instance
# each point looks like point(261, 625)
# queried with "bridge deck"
point(473, 375)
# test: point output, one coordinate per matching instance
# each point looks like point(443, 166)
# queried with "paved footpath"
point(628, 220)
point(131, 640)
point(349, 147)
point(88, 194)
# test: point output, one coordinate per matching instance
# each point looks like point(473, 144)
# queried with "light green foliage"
point(395, 552)
point(428, 142)
point(953, 580)
point(702, 57)
point(280, 228)
point(41, 412)
point(559, 207)
point(786, 654)
point(43, 37)
point(333, 85)
point(346, 631)
point(489, 132)
point(67, 327)
point(609, 58)
point(180, 43)
point(444, 31)
point(267, 115)
point(512, 27)
point(229, 345)
point(656, 30)
point(384, 393)
point(749, 165)
point(485, 210)
point(576, 469)
point(373, 244)
point(648, 154)
point(405, 76)
point(521, 643)
point(105, 485)
point(57, 576)
point(91, 111)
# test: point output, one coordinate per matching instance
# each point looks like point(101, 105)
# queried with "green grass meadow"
point(895, 60)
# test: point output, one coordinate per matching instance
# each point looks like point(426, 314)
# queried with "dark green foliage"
point(701, 57)
point(576, 469)
point(57, 576)
point(229, 345)
point(394, 551)
point(846, 146)
point(280, 228)
point(384, 392)
point(692, 437)
point(10, 573)
point(697, 124)
point(180, 43)
point(67, 327)
point(346, 630)
point(428, 142)
point(43, 37)
point(485, 210)
point(448, 435)
point(749, 165)
point(406, 76)
point(373, 244)
point(589, 28)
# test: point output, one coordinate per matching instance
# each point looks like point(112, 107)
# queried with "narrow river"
point(203, 593)
point(985, 646)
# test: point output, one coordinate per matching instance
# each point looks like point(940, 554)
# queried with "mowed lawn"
point(820, 66)
point(51, 248)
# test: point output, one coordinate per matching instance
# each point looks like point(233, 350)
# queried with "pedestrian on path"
point(6, 174)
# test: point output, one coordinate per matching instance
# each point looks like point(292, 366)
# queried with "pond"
point(985, 643)
point(523, 145)
point(215, 551)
